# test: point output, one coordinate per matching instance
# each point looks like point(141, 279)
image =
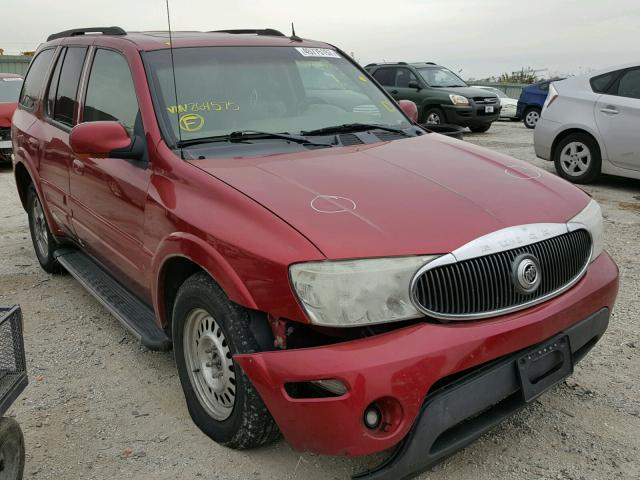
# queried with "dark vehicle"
point(321, 265)
point(13, 380)
point(531, 101)
point(10, 85)
point(441, 95)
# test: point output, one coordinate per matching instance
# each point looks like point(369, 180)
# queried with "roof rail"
point(81, 31)
point(250, 31)
point(385, 63)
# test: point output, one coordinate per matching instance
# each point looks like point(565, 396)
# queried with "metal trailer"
point(13, 380)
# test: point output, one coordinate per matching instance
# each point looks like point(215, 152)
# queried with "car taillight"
point(553, 94)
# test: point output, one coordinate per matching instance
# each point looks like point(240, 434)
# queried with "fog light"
point(372, 417)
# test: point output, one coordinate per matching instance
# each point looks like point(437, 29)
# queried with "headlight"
point(357, 292)
point(459, 100)
point(591, 219)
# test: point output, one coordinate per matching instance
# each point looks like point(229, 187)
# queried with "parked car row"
point(321, 265)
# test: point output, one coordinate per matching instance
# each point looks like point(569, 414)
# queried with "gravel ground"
point(101, 406)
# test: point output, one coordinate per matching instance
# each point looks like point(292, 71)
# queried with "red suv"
point(321, 265)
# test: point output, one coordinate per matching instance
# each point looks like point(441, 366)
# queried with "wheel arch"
point(569, 131)
point(23, 180)
point(179, 257)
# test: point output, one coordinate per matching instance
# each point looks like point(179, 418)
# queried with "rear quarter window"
point(601, 83)
point(35, 79)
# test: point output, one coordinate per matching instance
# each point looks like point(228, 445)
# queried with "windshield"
point(10, 89)
point(440, 77)
point(269, 89)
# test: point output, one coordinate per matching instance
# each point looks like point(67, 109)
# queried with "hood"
point(468, 92)
point(422, 195)
point(6, 112)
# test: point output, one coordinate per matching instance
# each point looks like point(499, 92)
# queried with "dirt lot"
point(101, 406)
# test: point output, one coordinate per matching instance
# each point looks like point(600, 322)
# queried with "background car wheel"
point(433, 116)
point(11, 449)
point(531, 116)
point(577, 158)
point(207, 331)
point(43, 242)
point(480, 128)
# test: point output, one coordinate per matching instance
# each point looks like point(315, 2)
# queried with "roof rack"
point(250, 31)
point(74, 32)
point(386, 63)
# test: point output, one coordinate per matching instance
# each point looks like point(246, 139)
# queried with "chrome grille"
point(484, 286)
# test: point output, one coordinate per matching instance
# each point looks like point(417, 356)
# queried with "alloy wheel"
point(433, 119)
point(532, 117)
point(209, 363)
point(575, 159)
point(40, 230)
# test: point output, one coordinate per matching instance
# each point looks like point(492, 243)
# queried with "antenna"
point(293, 36)
point(175, 88)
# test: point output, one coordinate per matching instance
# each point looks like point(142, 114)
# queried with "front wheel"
point(480, 128)
point(207, 331)
point(433, 116)
point(577, 158)
point(531, 117)
point(43, 242)
point(11, 449)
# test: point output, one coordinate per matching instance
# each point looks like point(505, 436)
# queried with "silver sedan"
point(590, 124)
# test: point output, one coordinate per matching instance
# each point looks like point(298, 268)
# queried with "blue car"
point(531, 100)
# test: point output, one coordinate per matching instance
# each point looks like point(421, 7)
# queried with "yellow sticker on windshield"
point(191, 122)
point(362, 78)
point(204, 107)
point(387, 105)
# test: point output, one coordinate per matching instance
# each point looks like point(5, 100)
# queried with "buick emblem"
point(526, 273)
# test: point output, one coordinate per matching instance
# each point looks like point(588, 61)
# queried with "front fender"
point(193, 248)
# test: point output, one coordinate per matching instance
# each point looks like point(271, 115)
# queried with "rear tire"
point(480, 128)
point(43, 242)
point(433, 116)
point(11, 449)
point(207, 331)
point(530, 117)
point(577, 158)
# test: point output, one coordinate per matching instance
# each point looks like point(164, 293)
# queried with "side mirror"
point(414, 84)
point(410, 109)
point(104, 139)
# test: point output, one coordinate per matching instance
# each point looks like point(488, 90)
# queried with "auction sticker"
point(318, 52)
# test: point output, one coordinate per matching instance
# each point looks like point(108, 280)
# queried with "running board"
point(137, 317)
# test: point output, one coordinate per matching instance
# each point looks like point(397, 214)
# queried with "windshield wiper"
point(352, 127)
point(243, 135)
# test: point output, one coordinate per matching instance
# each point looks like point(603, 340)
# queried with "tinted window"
point(403, 77)
point(629, 85)
point(53, 87)
point(601, 83)
point(69, 78)
point(544, 86)
point(386, 76)
point(110, 92)
point(35, 78)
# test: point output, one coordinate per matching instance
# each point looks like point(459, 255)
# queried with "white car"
point(507, 103)
point(590, 124)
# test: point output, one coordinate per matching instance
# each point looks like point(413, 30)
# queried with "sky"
point(474, 37)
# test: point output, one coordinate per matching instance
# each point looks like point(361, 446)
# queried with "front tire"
point(577, 158)
point(530, 117)
point(207, 331)
point(43, 242)
point(480, 128)
point(11, 449)
point(433, 116)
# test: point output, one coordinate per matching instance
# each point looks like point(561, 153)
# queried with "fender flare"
point(201, 253)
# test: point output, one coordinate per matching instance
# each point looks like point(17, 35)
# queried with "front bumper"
point(399, 368)
point(471, 116)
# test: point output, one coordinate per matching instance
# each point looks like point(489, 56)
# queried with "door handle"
point(610, 109)
point(77, 166)
point(394, 92)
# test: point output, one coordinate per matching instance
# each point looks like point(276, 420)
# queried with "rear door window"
point(386, 76)
point(403, 77)
point(35, 79)
point(111, 93)
point(61, 100)
point(629, 84)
